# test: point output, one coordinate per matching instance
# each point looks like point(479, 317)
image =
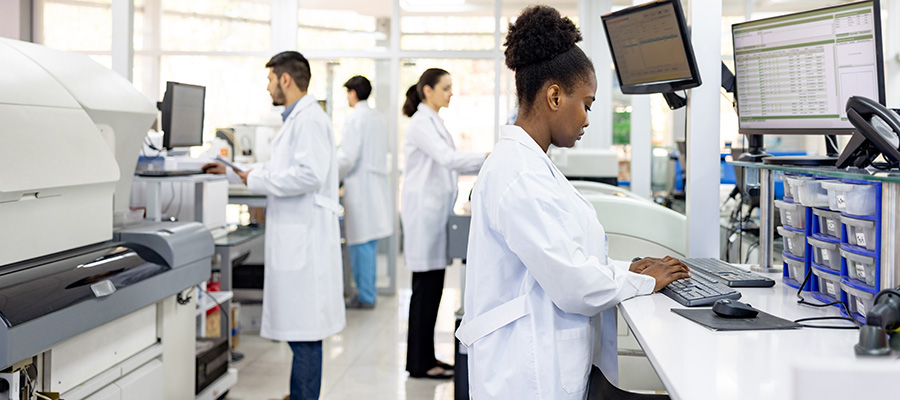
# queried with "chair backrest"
point(587, 187)
point(639, 228)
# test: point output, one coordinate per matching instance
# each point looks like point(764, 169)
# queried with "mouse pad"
point(709, 319)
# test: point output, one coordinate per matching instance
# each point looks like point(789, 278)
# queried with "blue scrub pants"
point(362, 258)
point(306, 370)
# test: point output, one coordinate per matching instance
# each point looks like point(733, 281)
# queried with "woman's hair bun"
point(539, 33)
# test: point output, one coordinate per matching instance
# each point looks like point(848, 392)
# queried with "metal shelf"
point(220, 386)
point(205, 304)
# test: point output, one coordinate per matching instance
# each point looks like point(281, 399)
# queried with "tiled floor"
point(365, 361)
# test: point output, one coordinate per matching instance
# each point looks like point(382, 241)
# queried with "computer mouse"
point(727, 308)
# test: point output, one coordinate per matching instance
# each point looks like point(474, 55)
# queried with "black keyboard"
point(182, 172)
point(726, 273)
point(699, 290)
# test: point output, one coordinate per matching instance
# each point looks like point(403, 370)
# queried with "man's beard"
point(278, 99)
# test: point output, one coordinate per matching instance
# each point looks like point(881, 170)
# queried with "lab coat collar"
point(302, 104)
point(361, 104)
point(516, 133)
point(430, 111)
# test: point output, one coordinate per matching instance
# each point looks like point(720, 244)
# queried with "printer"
point(85, 299)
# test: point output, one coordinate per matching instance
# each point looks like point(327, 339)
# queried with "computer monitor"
point(651, 48)
point(794, 73)
point(182, 115)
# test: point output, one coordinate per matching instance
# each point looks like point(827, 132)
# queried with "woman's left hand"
point(642, 264)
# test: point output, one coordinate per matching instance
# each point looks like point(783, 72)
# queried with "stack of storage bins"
point(859, 204)
point(796, 216)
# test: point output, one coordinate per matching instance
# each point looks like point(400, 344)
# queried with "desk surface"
point(697, 363)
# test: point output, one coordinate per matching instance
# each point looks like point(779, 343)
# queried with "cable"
point(801, 300)
point(171, 199)
point(184, 299)
point(221, 309)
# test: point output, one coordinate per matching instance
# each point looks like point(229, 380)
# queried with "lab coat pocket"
point(573, 353)
point(289, 246)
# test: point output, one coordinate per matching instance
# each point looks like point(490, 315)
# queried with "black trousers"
point(427, 288)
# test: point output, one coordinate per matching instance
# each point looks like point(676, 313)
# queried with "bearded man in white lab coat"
point(303, 290)
point(363, 166)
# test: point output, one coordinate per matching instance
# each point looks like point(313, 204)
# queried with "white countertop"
point(696, 363)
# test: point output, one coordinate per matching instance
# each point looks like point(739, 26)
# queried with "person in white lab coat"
point(429, 191)
point(303, 299)
point(363, 166)
point(537, 259)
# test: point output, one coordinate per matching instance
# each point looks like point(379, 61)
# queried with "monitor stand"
point(810, 161)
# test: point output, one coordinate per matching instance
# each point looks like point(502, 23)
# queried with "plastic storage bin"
point(859, 301)
point(860, 232)
point(851, 198)
point(792, 214)
point(812, 194)
point(794, 183)
point(829, 222)
point(794, 241)
point(826, 254)
point(796, 269)
point(829, 285)
point(861, 268)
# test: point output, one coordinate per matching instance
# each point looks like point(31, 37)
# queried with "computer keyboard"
point(699, 290)
point(726, 273)
point(157, 173)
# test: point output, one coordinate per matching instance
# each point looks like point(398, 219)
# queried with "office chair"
point(599, 388)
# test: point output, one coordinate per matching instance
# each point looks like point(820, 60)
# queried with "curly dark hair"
point(540, 48)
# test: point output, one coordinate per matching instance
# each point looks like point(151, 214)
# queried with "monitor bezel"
point(166, 108)
point(657, 87)
point(879, 61)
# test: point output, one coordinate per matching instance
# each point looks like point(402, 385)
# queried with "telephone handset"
point(877, 132)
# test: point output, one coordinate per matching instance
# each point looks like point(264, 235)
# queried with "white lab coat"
point(303, 288)
point(429, 189)
point(537, 272)
point(363, 165)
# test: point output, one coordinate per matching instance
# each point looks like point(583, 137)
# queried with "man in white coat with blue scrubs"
point(538, 269)
point(368, 210)
point(303, 290)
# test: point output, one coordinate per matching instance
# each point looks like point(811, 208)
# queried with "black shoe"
point(444, 374)
point(444, 365)
point(355, 303)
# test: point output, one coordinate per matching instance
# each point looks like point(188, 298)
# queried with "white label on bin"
point(861, 239)
point(789, 243)
point(841, 201)
point(825, 256)
point(860, 307)
point(829, 288)
point(787, 216)
point(830, 225)
point(861, 272)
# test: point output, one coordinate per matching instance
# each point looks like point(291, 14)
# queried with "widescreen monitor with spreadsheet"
point(794, 73)
point(651, 48)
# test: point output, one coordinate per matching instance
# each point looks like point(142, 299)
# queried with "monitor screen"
point(794, 73)
point(182, 115)
point(651, 48)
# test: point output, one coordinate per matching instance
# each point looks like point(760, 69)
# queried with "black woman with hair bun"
point(537, 267)
point(429, 190)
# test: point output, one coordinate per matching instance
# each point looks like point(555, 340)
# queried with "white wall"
point(15, 19)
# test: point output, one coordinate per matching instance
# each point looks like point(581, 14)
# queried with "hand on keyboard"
point(665, 271)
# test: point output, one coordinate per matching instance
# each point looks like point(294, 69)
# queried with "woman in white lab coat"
point(537, 260)
point(363, 165)
point(303, 300)
point(429, 190)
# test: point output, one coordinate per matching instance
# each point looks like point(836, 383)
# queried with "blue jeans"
point(362, 258)
point(306, 370)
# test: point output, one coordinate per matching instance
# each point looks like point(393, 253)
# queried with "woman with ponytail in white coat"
point(429, 190)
